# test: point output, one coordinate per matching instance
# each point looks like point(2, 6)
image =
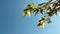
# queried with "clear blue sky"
point(13, 22)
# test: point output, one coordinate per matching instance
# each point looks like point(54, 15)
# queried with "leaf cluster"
point(50, 11)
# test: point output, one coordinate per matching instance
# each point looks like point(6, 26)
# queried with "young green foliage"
point(41, 8)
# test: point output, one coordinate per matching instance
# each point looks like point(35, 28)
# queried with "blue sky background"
point(13, 22)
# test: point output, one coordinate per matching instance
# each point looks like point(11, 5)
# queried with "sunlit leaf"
point(30, 6)
point(25, 12)
point(28, 12)
point(41, 24)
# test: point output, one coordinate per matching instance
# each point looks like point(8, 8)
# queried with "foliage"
point(43, 8)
